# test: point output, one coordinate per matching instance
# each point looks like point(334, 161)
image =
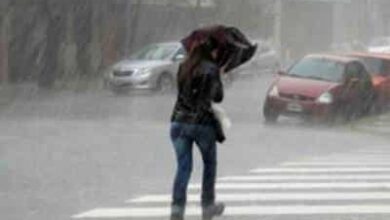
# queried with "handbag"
point(222, 122)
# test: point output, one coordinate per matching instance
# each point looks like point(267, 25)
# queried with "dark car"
point(321, 87)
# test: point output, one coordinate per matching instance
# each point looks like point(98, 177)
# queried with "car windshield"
point(318, 68)
point(155, 52)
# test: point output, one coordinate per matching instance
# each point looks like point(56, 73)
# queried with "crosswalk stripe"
point(340, 160)
point(354, 158)
point(341, 172)
point(315, 170)
point(251, 197)
point(303, 177)
point(370, 154)
point(335, 164)
point(298, 185)
point(374, 151)
point(240, 211)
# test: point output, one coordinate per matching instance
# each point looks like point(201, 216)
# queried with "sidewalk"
point(30, 90)
point(376, 125)
point(9, 92)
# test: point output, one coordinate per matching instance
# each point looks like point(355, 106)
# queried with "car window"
point(352, 70)
point(318, 68)
point(357, 70)
point(374, 65)
point(386, 68)
point(179, 55)
point(181, 51)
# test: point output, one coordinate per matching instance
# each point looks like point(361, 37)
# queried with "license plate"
point(294, 107)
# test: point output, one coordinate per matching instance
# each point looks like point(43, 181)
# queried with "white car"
point(153, 67)
point(380, 45)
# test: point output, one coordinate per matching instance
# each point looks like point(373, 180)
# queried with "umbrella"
point(234, 48)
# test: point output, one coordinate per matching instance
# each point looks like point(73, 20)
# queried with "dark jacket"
point(195, 96)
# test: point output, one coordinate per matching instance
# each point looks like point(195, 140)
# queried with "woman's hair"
point(189, 66)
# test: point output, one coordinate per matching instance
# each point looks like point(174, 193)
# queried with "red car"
point(378, 65)
point(322, 87)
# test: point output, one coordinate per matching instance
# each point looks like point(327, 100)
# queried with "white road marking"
point(352, 157)
point(251, 197)
point(298, 185)
point(339, 160)
point(315, 170)
point(303, 177)
point(358, 168)
point(374, 151)
point(335, 164)
point(239, 211)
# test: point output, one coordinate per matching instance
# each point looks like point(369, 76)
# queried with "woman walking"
point(199, 84)
point(211, 50)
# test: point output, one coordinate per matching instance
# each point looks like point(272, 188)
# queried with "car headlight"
point(325, 98)
point(274, 92)
point(143, 72)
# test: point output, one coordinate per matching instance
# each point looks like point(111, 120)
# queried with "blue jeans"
point(183, 136)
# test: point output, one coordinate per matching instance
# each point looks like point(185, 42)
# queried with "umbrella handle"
point(223, 68)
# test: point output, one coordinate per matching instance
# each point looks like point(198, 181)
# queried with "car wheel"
point(270, 115)
point(165, 83)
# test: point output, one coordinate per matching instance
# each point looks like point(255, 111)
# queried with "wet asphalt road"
point(62, 154)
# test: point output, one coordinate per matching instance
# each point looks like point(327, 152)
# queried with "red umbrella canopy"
point(234, 48)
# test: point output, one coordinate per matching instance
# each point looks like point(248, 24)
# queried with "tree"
point(54, 34)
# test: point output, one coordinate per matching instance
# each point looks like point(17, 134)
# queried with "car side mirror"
point(179, 57)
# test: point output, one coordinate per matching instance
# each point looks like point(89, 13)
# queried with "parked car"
point(378, 65)
point(265, 60)
point(380, 45)
point(153, 67)
point(320, 86)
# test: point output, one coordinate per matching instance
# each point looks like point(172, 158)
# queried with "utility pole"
point(278, 26)
point(128, 38)
point(198, 15)
point(132, 27)
point(4, 26)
